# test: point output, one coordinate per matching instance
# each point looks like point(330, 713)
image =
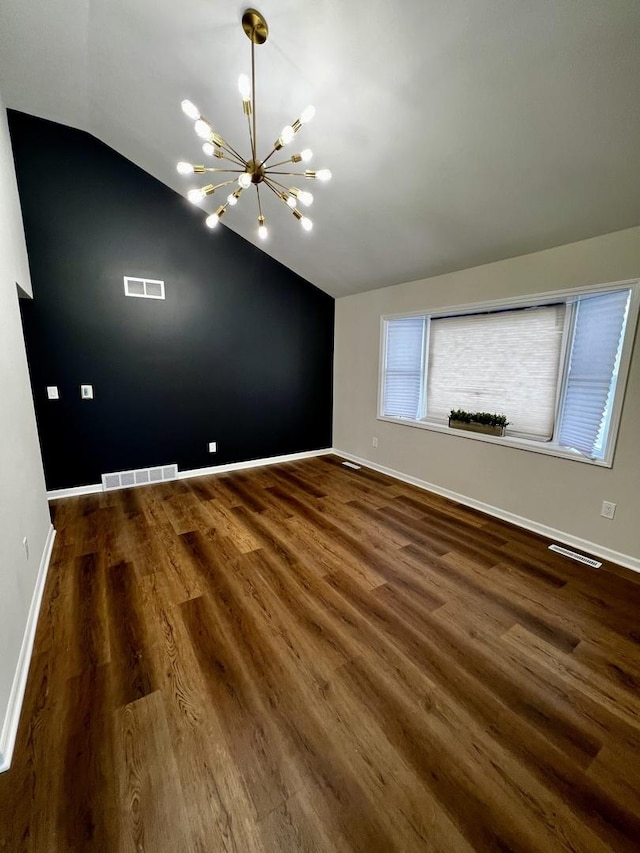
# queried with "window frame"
point(569, 296)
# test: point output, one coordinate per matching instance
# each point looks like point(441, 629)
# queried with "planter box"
point(486, 429)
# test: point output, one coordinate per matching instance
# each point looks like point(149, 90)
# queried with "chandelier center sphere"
point(256, 170)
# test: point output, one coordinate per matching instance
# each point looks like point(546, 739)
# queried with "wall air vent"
point(144, 288)
point(575, 556)
point(139, 477)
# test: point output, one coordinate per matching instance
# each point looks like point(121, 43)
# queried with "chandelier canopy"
point(252, 171)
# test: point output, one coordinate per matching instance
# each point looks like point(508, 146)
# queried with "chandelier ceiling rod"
point(254, 137)
point(251, 171)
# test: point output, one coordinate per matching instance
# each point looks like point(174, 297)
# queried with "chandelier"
point(252, 171)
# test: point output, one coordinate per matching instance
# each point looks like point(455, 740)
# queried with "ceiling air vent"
point(144, 288)
point(138, 477)
point(575, 556)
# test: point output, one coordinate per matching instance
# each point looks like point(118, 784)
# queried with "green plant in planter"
point(485, 418)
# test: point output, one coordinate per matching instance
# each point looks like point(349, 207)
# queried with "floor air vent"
point(351, 465)
point(575, 556)
point(139, 477)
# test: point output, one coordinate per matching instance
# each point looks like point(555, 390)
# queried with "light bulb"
point(208, 149)
point(306, 155)
point(305, 197)
point(185, 168)
point(195, 196)
point(263, 232)
point(306, 223)
point(212, 221)
point(190, 110)
point(244, 87)
point(232, 199)
point(291, 202)
point(323, 175)
point(245, 180)
point(287, 134)
point(307, 114)
point(203, 128)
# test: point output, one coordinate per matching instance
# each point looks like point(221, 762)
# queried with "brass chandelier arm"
point(224, 184)
point(227, 171)
point(259, 204)
point(231, 150)
point(271, 187)
point(281, 163)
point(233, 159)
point(278, 184)
point(275, 191)
point(209, 189)
point(220, 142)
point(269, 156)
point(292, 174)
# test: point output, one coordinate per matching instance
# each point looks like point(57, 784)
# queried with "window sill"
point(507, 440)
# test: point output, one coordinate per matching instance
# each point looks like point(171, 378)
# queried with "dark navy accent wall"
point(240, 351)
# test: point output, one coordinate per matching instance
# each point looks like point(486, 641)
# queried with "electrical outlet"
point(608, 509)
point(213, 447)
point(86, 392)
point(52, 392)
point(374, 442)
point(25, 545)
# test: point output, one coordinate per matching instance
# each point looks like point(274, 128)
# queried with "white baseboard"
point(196, 472)
point(16, 697)
point(252, 463)
point(74, 491)
point(612, 556)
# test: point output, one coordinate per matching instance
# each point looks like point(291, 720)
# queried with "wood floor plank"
point(216, 799)
point(474, 785)
point(251, 736)
point(87, 798)
point(149, 790)
point(130, 645)
point(308, 657)
point(619, 702)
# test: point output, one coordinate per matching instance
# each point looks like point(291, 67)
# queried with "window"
point(554, 368)
point(404, 369)
point(508, 356)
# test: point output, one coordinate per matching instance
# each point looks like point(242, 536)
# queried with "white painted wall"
point(558, 493)
point(23, 504)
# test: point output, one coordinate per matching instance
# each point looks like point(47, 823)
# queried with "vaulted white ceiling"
point(458, 132)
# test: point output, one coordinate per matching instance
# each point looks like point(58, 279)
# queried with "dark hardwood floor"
point(309, 658)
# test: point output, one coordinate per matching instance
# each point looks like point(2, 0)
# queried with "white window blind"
point(597, 339)
point(505, 362)
point(403, 381)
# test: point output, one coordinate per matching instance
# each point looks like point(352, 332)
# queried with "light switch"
point(52, 392)
point(86, 392)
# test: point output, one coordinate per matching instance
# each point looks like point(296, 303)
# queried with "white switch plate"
point(374, 442)
point(608, 509)
point(52, 392)
point(86, 392)
point(213, 447)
